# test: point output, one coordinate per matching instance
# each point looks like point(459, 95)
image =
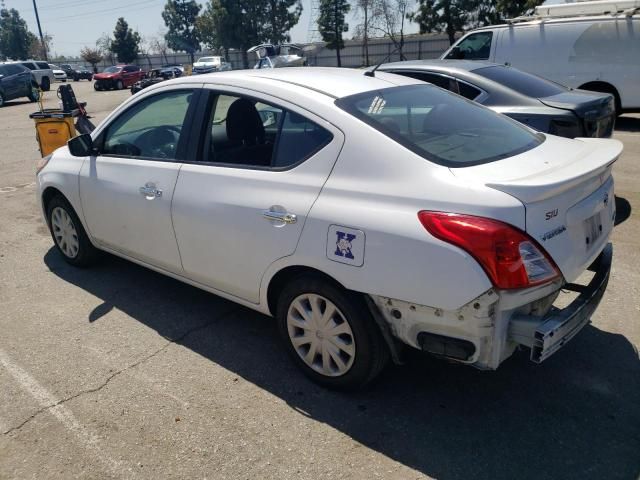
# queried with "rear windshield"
point(439, 126)
point(521, 82)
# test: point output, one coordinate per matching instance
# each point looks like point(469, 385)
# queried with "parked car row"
point(369, 212)
point(17, 81)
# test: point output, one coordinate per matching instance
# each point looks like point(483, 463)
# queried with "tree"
point(126, 42)
point(180, 17)
point(15, 38)
point(331, 24)
point(158, 45)
point(104, 46)
point(36, 48)
point(449, 16)
point(512, 9)
point(365, 9)
point(388, 19)
point(92, 56)
point(282, 16)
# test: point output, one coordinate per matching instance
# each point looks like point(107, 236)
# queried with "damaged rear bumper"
point(546, 335)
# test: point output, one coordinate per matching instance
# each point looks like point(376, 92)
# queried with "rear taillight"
point(510, 257)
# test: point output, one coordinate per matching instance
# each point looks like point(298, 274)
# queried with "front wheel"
point(97, 87)
point(46, 84)
point(34, 93)
point(330, 333)
point(68, 234)
point(119, 85)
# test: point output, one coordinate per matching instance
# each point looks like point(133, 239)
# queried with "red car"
point(118, 77)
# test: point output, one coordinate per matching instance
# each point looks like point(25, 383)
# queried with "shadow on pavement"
point(628, 124)
point(623, 210)
point(576, 416)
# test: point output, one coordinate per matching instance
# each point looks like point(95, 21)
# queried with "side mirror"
point(81, 146)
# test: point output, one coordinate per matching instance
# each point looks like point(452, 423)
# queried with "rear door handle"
point(280, 216)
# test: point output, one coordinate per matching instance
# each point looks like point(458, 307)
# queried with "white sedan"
point(365, 213)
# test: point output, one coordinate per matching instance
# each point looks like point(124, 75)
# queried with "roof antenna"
point(372, 73)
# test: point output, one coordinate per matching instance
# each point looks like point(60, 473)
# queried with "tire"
point(46, 84)
point(119, 85)
point(64, 80)
point(34, 93)
point(362, 353)
point(2, 100)
point(68, 234)
point(97, 87)
point(76, 78)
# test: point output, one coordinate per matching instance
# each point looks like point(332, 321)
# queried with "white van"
point(589, 45)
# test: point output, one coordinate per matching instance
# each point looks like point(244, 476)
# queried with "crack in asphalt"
point(117, 373)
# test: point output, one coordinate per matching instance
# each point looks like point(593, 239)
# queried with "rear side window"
point(29, 65)
point(445, 82)
point(43, 65)
point(468, 91)
point(521, 82)
point(249, 133)
point(476, 46)
point(441, 127)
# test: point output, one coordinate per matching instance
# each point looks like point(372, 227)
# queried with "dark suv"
point(77, 73)
point(16, 81)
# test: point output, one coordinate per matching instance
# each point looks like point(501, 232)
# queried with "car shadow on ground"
point(575, 416)
point(623, 210)
point(15, 103)
point(628, 124)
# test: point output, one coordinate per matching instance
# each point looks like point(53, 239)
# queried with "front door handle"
point(280, 216)
point(150, 191)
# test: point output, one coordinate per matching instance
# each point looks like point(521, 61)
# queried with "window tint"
point(299, 139)
point(151, 128)
point(29, 65)
point(468, 91)
point(42, 65)
point(112, 70)
point(13, 69)
point(474, 47)
point(521, 82)
point(438, 80)
point(250, 133)
point(440, 127)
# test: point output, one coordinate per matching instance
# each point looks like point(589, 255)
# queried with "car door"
point(243, 204)
point(126, 189)
point(13, 82)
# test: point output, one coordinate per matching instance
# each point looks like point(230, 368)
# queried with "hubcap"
point(321, 335)
point(64, 231)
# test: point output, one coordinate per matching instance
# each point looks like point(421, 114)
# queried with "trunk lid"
point(567, 190)
point(596, 111)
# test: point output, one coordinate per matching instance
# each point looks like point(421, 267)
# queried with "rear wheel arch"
point(287, 274)
point(604, 87)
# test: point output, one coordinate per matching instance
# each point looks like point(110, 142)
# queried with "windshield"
point(209, 60)
point(112, 70)
point(439, 126)
point(521, 82)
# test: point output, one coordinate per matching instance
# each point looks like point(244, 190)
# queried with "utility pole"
point(44, 45)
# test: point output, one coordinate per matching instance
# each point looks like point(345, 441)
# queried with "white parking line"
point(47, 400)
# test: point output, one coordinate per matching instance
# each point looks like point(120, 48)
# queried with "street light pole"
point(44, 45)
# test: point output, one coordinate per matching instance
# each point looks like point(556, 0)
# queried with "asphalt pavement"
point(120, 372)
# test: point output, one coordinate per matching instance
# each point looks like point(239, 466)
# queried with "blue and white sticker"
point(346, 245)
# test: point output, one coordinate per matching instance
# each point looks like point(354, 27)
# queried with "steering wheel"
point(160, 142)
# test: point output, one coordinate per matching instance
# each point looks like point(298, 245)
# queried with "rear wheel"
point(68, 234)
point(76, 78)
point(330, 334)
point(1, 100)
point(46, 84)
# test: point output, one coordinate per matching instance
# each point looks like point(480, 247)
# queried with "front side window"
point(247, 132)
point(42, 65)
point(439, 126)
point(29, 65)
point(149, 129)
point(13, 69)
point(476, 46)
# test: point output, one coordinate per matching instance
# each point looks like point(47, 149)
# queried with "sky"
point(76, 23)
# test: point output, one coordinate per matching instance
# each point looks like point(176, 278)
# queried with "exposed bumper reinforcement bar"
point(546, 335)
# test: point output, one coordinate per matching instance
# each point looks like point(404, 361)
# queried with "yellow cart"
point(53, 128)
